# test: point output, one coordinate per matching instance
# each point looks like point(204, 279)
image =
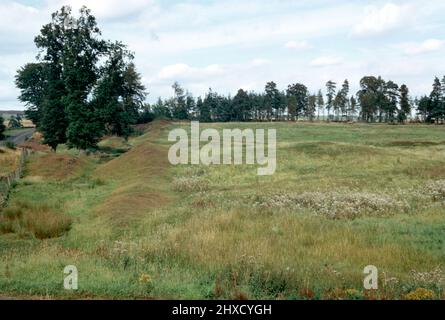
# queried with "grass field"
point(343, 197)
point(8, 160)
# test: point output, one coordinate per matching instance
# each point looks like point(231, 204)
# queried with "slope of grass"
point(141, 228)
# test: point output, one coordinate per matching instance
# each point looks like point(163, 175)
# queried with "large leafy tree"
point(300, 92)
point(51, 114)
point(81, 53)
point(82, 86)
point(119, 94)
point(241, 106)
point(32, 82)
point(424, 108)
point(371, 98)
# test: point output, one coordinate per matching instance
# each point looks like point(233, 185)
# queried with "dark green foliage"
point(10, 145)
point(330, 94)
point(15, 122)
point(119, 94)
point(178, 105)
point(273, 100)
point(2, 128)
point(405, 105)
point(241, 106)
point(300, 93)
point(432, 108)
point(69, 97)
point(161, 111)
point(32, 82)
point(145, 115)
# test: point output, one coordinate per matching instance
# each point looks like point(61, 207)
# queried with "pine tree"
point(330, 94)
point(320, 104)
point(436, 101)
point(205, 107)
point(405, 105)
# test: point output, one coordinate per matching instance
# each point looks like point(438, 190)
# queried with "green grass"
point(141, 228)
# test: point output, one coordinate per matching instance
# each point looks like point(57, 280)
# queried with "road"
point(20, 136)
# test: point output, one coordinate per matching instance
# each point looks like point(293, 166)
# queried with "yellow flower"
point(420, 294)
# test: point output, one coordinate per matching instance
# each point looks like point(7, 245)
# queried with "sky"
point(232, 44)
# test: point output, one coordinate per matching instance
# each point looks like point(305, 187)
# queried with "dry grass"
point(190, 184)
point(41, 222)
point(9, 160)
point(139, 175)
point(55, 166)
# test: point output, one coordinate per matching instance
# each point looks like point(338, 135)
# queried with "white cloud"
point(426, 46)
point(297, 45)
point(183, 71)
point(379, 20)
point(259, 62)
point(325, 61)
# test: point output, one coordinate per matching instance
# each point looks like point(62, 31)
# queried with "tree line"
point(83, 87)
point(376, 101)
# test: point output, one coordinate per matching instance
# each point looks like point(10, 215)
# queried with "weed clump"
point(336, 205)
point(40, 221)
point(190, 184)
point(436, 190)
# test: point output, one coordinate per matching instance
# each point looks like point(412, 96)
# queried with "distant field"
point(343, 197)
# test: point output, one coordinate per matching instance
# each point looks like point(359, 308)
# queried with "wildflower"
point(420, 294)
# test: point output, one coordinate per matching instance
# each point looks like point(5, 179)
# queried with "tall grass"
point(41, 222)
